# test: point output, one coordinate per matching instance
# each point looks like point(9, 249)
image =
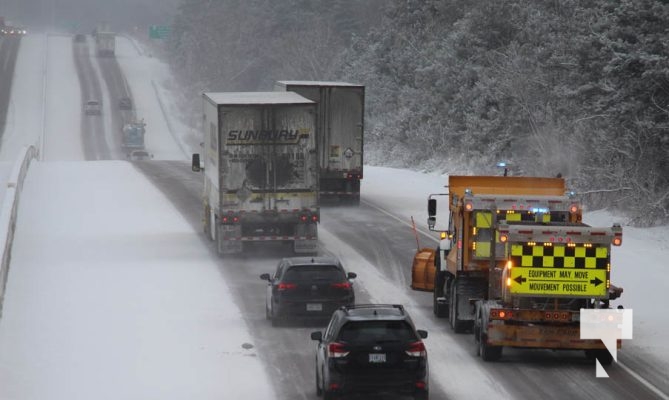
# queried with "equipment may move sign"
point(558, 282)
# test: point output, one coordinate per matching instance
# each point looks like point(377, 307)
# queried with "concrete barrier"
point(9, 210)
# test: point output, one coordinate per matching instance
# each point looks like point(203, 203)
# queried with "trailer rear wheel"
point(487, 352)
point(206, 220)
point(462, 291)
point(458, 325)
point(210, 224)
point(440, 309)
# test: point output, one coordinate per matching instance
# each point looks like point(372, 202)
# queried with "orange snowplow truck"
point(516, 264)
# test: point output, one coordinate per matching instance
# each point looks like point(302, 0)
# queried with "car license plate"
point(314, 307)
point(377, 358)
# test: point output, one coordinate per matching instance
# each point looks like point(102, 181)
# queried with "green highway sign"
point(159, 31)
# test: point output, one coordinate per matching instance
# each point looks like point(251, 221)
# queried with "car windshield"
point(311, 273)
point(376, 332)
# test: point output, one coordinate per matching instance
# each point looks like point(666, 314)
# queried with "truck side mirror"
point(431, 221)
point(196, 163)
point(432, 207)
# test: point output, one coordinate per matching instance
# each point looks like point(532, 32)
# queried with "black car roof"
point(321, 260)
point(365, 312)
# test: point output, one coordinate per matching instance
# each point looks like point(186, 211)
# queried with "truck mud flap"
point(225, 245)
point(305, 246)
point(463, 291)
point(229, 247)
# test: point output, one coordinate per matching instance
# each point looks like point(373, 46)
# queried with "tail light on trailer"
point(337, 350)
point(501, 314)
point(558, 316)
point(308, 217)
point(416, 349)
point(230, 219)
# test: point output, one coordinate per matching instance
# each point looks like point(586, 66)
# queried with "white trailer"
point(105, 43)
point(340, 128)
point(260, 169)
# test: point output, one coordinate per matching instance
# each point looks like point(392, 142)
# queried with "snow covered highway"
point(114, 292)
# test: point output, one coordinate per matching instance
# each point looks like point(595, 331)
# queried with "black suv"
point(371, 349)
point(307, 287)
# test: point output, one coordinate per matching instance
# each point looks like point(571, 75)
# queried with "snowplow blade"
point(422, 271)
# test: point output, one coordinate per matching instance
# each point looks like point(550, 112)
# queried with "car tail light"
point(303, 218)
point(337, 350)
point(286, 286)
point(421, 385)
point(314, 218)
point(416, 349)
point(342, 285)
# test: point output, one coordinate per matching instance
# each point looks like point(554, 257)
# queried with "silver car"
point(92, 107)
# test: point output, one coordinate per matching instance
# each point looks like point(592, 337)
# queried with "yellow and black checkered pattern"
point(559, 256)
point(518, 216)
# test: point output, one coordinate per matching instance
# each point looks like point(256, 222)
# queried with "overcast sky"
point(83, 15)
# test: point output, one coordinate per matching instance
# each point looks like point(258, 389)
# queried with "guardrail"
point(9, 210)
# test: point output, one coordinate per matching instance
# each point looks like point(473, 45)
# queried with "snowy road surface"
point(114, 293)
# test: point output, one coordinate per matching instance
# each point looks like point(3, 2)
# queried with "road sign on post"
point(159, 31)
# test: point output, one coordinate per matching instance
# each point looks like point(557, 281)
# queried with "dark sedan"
point(307, 287)
point(124, 103)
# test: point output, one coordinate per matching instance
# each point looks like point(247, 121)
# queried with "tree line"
point(572, 87)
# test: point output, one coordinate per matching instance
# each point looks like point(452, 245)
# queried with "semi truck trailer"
point(260, 170)
point(340, 129)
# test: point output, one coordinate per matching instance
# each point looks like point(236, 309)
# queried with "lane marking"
point(396, 218)
point(643, 381)
point(45, 78)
